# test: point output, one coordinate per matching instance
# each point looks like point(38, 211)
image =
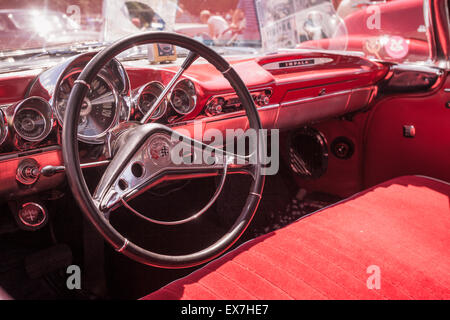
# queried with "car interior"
point(360, 146)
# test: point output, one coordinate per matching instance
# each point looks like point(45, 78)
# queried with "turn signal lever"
point(49, 171)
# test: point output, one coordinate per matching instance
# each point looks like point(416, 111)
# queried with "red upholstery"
point(401, 226)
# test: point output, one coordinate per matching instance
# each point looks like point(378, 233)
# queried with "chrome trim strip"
point(370, 87)
point(28, 153)
point(235, 114)
point(223, 116)
point(255, 194)
point(434, 179)
point(295, 81)
point(447, 90)
point(289, 103)
point(125, 244)
point(269, 106)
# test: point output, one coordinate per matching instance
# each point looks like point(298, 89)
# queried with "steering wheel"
point(133, 168)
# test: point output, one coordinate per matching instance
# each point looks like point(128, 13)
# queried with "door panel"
point(389, 154)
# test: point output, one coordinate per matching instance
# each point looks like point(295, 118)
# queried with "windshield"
point(42, 22)
point(385, 30)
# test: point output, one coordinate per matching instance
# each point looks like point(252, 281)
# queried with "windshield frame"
point(438, 12)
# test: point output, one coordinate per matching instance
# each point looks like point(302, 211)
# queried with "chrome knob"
point(27, 172)
point(215, 107)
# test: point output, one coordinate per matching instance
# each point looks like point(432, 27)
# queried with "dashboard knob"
point(265, 100)
point(262, 100)
point(27, 172)
point(215, 107)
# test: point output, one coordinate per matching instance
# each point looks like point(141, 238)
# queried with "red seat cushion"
point(401, 227)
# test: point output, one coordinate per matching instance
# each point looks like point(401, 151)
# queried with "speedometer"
point(98, 110)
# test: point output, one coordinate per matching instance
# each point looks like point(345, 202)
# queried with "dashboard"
point(289, 89)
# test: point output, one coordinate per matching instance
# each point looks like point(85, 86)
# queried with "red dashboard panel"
point(341, 73)
point(339, 85)
point(13, 87)
point(344, 82)
point(302, 87)
point(9, 163)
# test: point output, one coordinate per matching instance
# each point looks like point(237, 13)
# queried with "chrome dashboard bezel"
point(142, 90)
point(99, 138)
point(47, 83)
point(192, 96)
point(48, 119)
point(4, 127)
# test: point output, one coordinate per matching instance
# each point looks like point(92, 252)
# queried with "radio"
point(230, 102)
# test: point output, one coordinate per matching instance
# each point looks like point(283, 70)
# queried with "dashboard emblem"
point(159, 149)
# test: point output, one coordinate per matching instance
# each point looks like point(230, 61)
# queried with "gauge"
point(32, 119)
point(184, 97)
point(147, 96)
point(98, 110)
point(32, 215)
point(29, 123)
point(3, 128)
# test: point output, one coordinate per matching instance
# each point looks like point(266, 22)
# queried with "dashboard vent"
point(308, 153)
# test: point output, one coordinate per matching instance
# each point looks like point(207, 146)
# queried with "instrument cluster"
point(37, 120)
point(179, 102)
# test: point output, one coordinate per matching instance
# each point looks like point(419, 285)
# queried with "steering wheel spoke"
point(151, 154)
